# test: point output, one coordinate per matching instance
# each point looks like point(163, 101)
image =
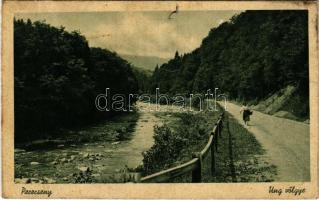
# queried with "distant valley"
point(144, 62)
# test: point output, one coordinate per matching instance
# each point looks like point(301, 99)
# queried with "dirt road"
point(286, 143)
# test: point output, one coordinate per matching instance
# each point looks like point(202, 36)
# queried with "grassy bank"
point(285, 103)
point(239, 157)
point(181, 135)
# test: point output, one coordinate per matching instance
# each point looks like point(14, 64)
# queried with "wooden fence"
point(195, 165)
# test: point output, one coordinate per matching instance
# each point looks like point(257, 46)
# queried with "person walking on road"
point(246, 113)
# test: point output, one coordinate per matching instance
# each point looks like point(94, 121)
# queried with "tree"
point(250, 57)
point(57, 77)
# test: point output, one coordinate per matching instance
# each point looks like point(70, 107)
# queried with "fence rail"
point(195, 165)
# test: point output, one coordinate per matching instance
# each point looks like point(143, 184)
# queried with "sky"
point(148, 33)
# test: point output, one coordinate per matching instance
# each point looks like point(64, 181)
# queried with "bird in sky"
point(173, 12)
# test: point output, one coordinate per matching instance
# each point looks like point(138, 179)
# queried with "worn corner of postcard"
point(163, 100)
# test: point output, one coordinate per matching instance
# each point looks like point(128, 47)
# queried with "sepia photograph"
point(172, 95)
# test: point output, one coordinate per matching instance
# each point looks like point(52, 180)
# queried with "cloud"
point(141, 35)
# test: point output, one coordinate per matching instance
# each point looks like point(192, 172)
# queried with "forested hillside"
point(250, 57)
point(143, 77)
point(57, 78)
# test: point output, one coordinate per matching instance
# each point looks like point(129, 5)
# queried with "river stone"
point(249, 167)
point(22, 180)
point(54, 163)
point(34, 180)
point(86, 155)
point(115, 143)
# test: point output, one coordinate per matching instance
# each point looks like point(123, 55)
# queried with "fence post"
point(221, 124)
point(220, 128)
point(137, 177)
point(216, 137)
point(132, 177)
point(213, 164)
point(197, 173)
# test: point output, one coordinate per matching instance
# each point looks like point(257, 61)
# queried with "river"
point(102, 158)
